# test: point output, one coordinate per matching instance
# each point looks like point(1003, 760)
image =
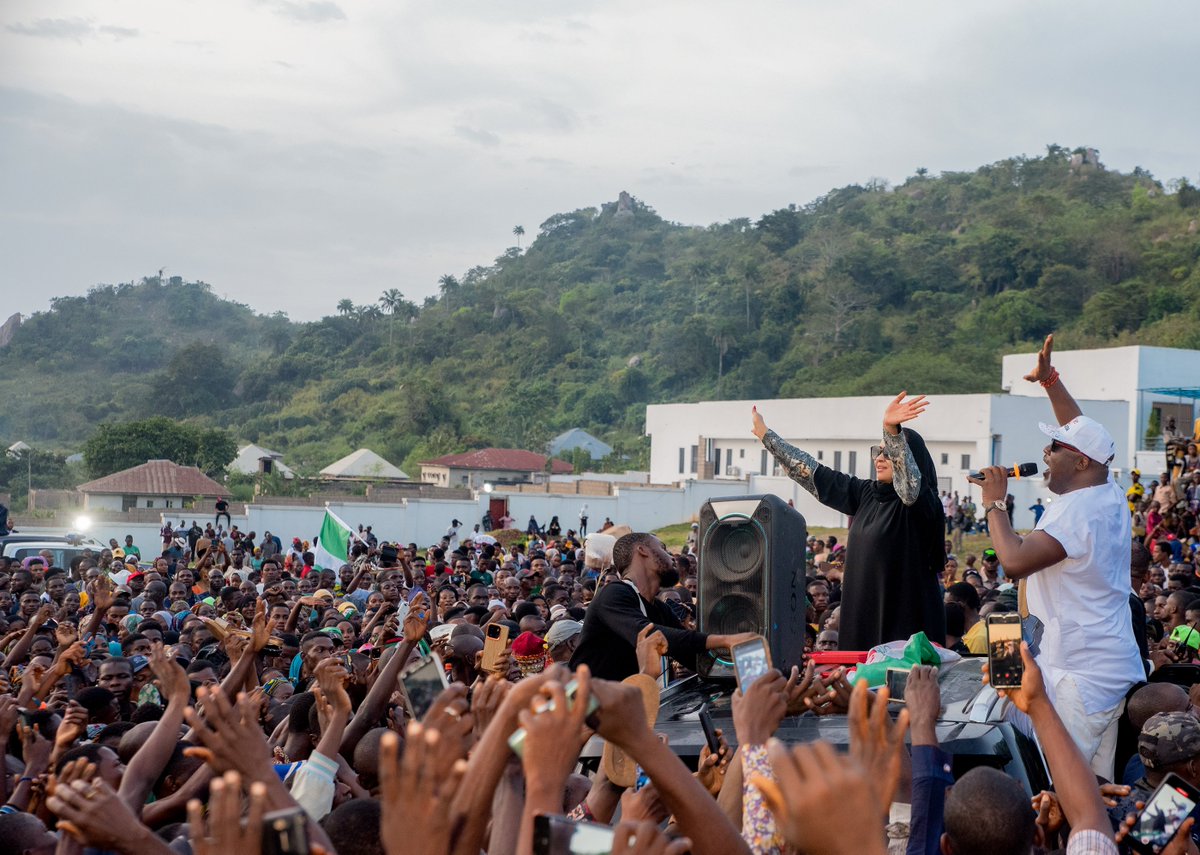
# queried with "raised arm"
point(148, 763)
point(1064, 405)
point(1073, 778)
point(799, 465)
point(906, 477)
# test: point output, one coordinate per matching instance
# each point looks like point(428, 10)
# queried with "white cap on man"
point(1086, 436)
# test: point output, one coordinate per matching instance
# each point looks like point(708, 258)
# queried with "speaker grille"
point(751, 576)
point(736, 613)
point(736, 551)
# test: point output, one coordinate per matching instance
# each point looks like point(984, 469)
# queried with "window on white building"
point(695, 451)
point(853, 463)
point(837, 461)
point(149, 503)
point(762, 466)
point(741, 454)
point(945, 459)
point(681, 461)
point(966, 461)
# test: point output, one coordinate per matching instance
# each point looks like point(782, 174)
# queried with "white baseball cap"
point(1085, 435)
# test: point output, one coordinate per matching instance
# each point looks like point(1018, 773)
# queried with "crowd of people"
point(221, 692)
point(174, 702)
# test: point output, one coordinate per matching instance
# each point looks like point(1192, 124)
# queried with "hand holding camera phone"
point(710, 732)
point(424, 683)
point(285, 832)
point(495, 642)
point(1005, 666)
point(517, 741)
point(1165, 811)
point(751, 659)
point(558, 835)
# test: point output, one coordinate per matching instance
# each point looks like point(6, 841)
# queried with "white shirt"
point(1083, 600)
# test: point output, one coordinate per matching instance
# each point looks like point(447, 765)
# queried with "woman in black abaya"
point(895, 550)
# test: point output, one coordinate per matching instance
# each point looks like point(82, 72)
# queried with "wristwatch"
point(997, 505)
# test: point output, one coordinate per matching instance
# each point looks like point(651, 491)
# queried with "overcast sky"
point(295, 152)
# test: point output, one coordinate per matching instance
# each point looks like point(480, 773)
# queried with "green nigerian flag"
point(333, 544)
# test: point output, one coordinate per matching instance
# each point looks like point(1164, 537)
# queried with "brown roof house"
point(155, 484)
point(491, 466)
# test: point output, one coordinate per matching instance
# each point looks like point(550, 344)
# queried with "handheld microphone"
point(1018, 470)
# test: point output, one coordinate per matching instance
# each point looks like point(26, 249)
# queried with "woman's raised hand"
point(900, 411)
point(759, 427)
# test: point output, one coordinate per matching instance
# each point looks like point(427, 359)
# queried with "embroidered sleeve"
point(906, 477)
point(758, 823)
point(798, 464)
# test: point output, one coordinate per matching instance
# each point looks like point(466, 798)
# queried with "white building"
point(252, 459)
point(712, 439)
point(363, 465)
point(154, 484)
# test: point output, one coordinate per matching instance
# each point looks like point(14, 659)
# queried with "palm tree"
point(345, 307)
point(391, 300)
point(448, 285)
point(519, 231)
point(724, 338)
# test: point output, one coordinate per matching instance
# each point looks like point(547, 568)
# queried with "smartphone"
point(710, 732)
point(751, 659)
point(664, 676)
point(285, 832)
point(896, 681)
point(495, 641)
point(39, 718)
point(517, 741)
point(423, 683)
point(1165, 811)
point(1005, 668)
point(558, 835)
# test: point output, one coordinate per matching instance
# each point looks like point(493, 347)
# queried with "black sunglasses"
point(1055, 445)
point(876, 450)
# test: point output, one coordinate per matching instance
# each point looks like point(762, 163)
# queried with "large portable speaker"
point(752, 576)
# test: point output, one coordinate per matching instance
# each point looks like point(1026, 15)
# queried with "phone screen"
point(751, 661)
point(557, 835)
point(1004, 653)
point(897, 681)
point(1170, 805)
point(424, 683)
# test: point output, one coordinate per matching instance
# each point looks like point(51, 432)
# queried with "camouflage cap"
point(1169, 738)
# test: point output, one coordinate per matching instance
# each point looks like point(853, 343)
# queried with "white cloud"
point(291, 152)
point(74, 29)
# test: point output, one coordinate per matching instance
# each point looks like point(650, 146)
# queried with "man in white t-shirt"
point(1074, 568)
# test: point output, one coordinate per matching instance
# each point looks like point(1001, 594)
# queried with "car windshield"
point(62, 555)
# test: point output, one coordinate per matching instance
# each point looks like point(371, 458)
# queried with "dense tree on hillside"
point(114, 447)
point(867, 288)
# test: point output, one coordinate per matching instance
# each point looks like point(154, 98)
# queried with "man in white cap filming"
point(1074, 572)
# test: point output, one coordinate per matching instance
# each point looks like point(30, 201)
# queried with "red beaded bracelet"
point(1051, 380)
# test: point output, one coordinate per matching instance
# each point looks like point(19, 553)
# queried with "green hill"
point(862, 291)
